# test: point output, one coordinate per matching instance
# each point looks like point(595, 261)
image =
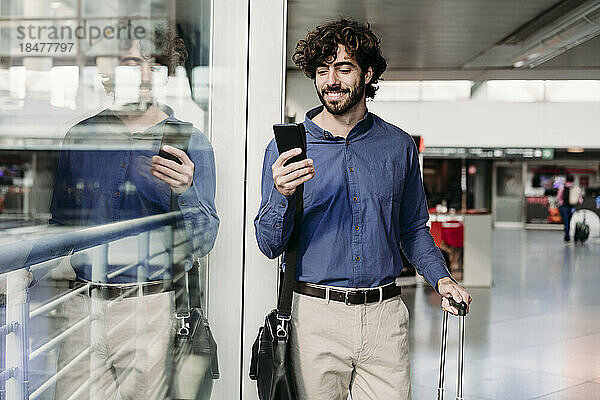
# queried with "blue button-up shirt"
point(103, 176)
point(365, 203)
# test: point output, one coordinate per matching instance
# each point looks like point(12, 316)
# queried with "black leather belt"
point(352, 296)
point(112, 292)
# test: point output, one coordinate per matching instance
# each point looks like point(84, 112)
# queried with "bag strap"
point(182, 292)
point(284, 305)
point(185, 285)
point(193, 287)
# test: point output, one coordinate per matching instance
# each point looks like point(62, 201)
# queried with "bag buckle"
point(184, 327)
point(281, 326)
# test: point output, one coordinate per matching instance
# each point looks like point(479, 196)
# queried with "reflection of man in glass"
point(110, 171)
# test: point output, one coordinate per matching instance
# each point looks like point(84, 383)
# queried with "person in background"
point(568, 197)
point(364, 204)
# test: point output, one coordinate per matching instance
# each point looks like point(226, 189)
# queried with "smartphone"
point(176, 134)
point(290, 136)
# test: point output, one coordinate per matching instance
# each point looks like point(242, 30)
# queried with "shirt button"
point(117, 194)
point(122, 165)
point(355, 198)
point(357, 258)
point(278, 226)
point(356, 227)
point(183, 202)
point(351, 169)
point(282, 204)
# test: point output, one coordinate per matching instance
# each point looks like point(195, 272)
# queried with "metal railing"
point(42, 255)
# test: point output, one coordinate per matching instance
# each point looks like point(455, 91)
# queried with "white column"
point(227, 132)
point(265, 107)
point(246, 99)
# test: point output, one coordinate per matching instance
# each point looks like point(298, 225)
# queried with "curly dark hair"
point(321, 44)
point(173, 51)
point(163, 43)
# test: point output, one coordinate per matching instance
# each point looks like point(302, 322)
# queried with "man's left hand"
point(178, 177)
point(448, 288)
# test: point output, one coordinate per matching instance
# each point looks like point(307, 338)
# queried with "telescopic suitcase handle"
point(461, 307)
point(462, 312)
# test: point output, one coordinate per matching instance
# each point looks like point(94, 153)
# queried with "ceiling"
point(455, 39)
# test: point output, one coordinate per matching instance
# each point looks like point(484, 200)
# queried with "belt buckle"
point(347, 296)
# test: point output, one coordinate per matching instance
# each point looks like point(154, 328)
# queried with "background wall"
point(474, 123)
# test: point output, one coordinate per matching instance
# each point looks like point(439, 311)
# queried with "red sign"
point(537, 200)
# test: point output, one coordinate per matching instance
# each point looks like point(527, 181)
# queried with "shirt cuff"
point(279, 203)
point(187, 199)
point(435, 275)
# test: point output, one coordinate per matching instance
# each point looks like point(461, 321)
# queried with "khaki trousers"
point(129, 347)
point(361, 348)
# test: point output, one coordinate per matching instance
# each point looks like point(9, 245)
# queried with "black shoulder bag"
point(195, 355)
point(270, 365)
point(195, 362)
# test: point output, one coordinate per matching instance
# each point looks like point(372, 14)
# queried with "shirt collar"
point(358, 131)
point(167, 110)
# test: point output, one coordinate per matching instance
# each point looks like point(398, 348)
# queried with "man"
point(363, 203)
point(110, 171)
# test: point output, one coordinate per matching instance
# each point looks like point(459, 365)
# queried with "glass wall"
point(106, 233)
point(101, 231)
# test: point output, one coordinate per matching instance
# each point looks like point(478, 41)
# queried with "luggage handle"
point(461, 307)
point(462, 312)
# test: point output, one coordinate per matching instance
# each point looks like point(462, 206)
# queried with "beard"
point(342, 106)
point(132, 106)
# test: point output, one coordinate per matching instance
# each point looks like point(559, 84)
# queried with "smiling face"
point(340, 83)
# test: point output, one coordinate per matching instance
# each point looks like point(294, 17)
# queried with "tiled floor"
point(534, 335)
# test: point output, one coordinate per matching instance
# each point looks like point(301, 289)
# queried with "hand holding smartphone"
point(178, 176)
point(176, 134)
point(289, 137)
